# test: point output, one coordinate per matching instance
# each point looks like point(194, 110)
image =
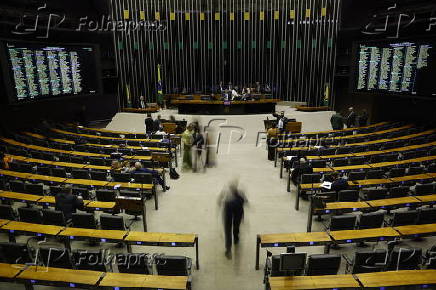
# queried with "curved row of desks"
point(367, 182)
point(360, 154)
point(326, 239)
point(386, 131)
point(39, 275)
point(378, 280)
point(113, 236)
point(50, 200)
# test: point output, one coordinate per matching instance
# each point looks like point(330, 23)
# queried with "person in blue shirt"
point(156, 176)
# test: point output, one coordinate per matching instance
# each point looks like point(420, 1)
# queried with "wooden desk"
point(398, 278)
point(290, 239)
point(129, 185)
point(352, 236)
point(416, 177)
point(343, 130)
point(390, 202)
point(144, 281)
point(14, 174)
point(86, 182)
point(416, 230)
point(46, 178)
point(100, 205)
point(37, 229)
point(104, 235)
point(351, 167)
point(3, 222)
point(333, 206)
point(164, 239)
point(41, 275)
point(368, 182)
point(427, 198)
point(24, 197)
point(313, 282)
point(9, 271)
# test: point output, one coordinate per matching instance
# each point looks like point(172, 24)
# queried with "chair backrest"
point(427, 216)
point(369, 261)
point(375, 193)
point(172, 265)
point(348, 195)
point(17, 186)
point(359, 160)
point(343, 150)
point(96, 161)
point(371, 220)
point(111, 222)
point(133, 263)
point(399, 191)
point(89, 260)
point(30, 215)
point(144, 178)
point(391, 157)
point(405, 259)
point(338, 162)
point(53, 217)
point(404, 218)
point(415, 170)
point(130, 193)
point(80, 173)
point(7, 212)
point(323, 264)
point(36, 189)
point(318, 163)
point(397, 172)
point(43, 170)
point(374, 174)
point(14, 253)
point(59, 172)
point(310, 178)
point(84, 220)
point(98, 175)
point(424, 189)
point(121, 177)
point(356, 175)
point(83, 192)
point(55, 257)
point(78, 159)
point(342, 222)
point(105, 195)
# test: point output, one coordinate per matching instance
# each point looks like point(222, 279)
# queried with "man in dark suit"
point(149, 124)
point(338, 183)
point(68, 203)
point(337, 121)
point(351, 118)
point(281, 121)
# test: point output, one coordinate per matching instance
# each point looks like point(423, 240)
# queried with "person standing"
point(351, 118)
point(363, 119)
point(232, 200)
point(68, 203)
point(142, 102)
point(149, 124)
point(272, 141)
point(198, 148)
point(187, 140)
point(337, 121)
point(281, 121)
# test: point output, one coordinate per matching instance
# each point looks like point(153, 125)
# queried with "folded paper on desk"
point(326, 185)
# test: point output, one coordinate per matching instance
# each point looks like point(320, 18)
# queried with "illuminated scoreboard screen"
point(401, 68)
point(40, 71)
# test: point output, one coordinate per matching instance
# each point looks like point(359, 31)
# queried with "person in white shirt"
point(160, 131)
point(142, 102)
point(234, 94)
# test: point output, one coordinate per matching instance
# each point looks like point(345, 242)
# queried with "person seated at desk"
point(116, 166)
point(68, 203)
point(235, 94)
point(299, 168)
point(337, 121)
point(160, 131)
point(157, 123)
point(138, 169)
point(338, 183)
point(5, 160)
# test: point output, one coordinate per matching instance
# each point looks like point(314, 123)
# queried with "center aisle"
point(191, 206)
